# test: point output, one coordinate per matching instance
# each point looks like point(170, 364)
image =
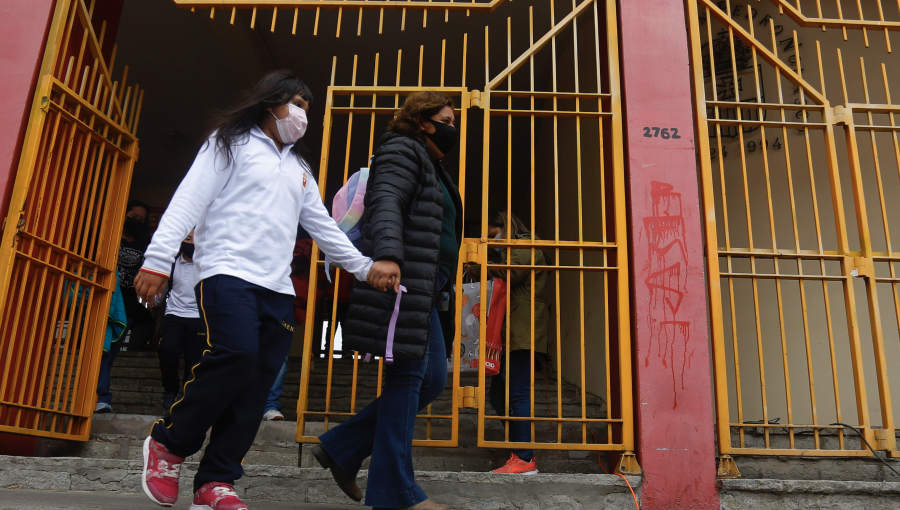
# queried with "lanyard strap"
point(389, 351)
point(392, 328)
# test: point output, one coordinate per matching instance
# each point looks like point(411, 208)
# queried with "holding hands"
point(384, 275)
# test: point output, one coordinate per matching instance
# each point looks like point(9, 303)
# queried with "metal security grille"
point(60, 238)
point(568, 172)
point(803, 276)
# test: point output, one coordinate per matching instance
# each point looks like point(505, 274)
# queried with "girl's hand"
point(148, 286)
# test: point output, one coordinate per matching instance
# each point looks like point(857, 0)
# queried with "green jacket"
point(519, 294)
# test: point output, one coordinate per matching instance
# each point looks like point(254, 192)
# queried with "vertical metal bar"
point(485, 185)
point(622, 294)
point(712, 256)
point(303, 398)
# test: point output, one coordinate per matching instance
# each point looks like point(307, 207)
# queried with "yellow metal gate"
point(344, 384)
point(803, 278)
point(60, 237)
point(567, 174)
point(549, 120)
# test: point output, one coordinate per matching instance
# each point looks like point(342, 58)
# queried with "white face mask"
point(292, 127)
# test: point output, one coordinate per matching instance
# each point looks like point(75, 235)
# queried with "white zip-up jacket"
point(246, 216)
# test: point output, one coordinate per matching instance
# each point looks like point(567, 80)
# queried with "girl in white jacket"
point(246, 191)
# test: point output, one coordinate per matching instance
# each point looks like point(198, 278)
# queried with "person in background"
point(520, 293)
point(183, 331)
point(246, 191)
point(300, 279)
point(131, 256)
point(135, 238)
point(413, 217)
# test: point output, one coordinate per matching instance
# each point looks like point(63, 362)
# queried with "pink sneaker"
point(217, 496)
point(161, 471)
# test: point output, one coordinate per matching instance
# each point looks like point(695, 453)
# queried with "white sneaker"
point(103, 407)
point(273, 415)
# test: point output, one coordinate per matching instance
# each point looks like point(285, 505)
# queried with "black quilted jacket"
point(404, 208)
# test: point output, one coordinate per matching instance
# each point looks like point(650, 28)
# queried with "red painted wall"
point(674, 405)
point(25, 25)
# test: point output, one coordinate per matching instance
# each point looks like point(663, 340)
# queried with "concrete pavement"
point(24, 499)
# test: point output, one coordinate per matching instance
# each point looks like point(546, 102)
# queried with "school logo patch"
point(304, 179)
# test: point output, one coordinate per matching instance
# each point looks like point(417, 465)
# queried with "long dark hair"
point(232, 125)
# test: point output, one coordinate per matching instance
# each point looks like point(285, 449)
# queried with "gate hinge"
point(841, 115)
point(861, 267)
point(475, 99)
point(471, 253)
point(467, 397)
point(883, 440)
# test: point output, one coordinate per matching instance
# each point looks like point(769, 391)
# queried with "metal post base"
point(727, 468)
point(628, 465)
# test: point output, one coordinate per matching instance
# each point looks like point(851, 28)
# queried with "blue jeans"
point(384, 429)
point(519, 401)
point(272, 403)
point(104, 380)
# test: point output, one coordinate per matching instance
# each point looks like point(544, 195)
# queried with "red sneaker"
point(217, 496)
point(161, 471)
point(517, 466)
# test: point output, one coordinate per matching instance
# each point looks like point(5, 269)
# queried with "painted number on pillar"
point(664, 133)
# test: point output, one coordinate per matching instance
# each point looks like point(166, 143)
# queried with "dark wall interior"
point(190, 64)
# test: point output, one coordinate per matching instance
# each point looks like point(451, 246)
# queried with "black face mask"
point(134, 226)
point(444, 137)
point(187, 249)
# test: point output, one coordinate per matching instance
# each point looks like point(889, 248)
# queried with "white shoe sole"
point(144, 475)
point(529, 473)
point(201, 507)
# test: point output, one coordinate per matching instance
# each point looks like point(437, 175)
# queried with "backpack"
point(347, 210)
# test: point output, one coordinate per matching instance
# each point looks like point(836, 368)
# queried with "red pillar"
point(25, 26)
point(22, 41)
point(674, 406)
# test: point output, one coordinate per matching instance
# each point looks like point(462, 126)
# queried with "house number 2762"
point(664, 133)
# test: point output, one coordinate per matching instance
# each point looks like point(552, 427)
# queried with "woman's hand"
point(148, 286)
point(383, 275)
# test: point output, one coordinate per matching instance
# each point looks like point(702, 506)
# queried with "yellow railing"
point(802, 270)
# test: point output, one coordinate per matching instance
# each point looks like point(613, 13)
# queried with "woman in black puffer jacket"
point(413, 219)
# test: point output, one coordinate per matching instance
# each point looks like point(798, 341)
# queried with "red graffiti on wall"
point(666, 270)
